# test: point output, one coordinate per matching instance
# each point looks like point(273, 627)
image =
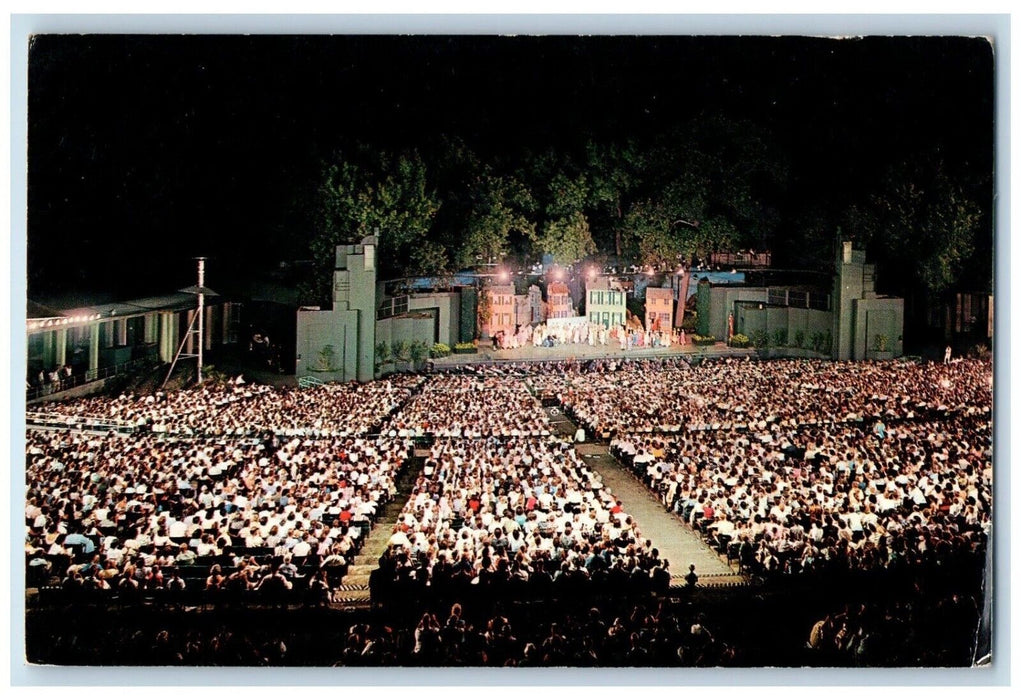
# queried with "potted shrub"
point(326, 358)
point(465, 349)
point(760, 339)
point(881, 347)
point(417, 353)
point(383, 355)
point(439, 350)
point(740, 340)
point(703, 340)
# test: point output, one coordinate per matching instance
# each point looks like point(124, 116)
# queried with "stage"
point(488, 355)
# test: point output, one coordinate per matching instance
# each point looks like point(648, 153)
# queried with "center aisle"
point(355, 586)
point(676, 542)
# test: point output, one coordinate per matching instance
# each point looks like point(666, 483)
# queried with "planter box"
point(466, 352)
point(703, 343)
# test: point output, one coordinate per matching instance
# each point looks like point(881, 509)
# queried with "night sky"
point(147, 150)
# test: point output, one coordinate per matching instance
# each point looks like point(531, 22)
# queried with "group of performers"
point(592, 334)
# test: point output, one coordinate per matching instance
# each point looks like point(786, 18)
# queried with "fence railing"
point(41, 419)
point(393, 306)
point(741, 259)
point(48, 388)
point(799, 299)
point(308, 382)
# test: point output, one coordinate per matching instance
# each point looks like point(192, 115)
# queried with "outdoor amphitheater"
point(604, 512)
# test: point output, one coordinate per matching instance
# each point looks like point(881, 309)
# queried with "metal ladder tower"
point(202, 291)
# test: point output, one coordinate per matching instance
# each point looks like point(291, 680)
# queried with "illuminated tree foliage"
point(389, 198)
point(925, 221)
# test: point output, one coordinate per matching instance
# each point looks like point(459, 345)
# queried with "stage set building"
point(848, 321)
point(605, 302)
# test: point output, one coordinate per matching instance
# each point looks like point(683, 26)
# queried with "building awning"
point(36, 310)
point(178, 301)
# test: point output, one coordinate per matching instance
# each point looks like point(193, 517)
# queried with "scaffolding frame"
point(201, 291)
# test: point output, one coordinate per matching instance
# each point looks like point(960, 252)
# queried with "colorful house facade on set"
point(659, 308)
point(605, 303)
point(560, 304)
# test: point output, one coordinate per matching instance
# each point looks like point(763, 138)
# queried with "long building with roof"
point(88, 343)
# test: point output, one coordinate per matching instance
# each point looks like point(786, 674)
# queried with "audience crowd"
point(659, 633)
point(671, 396)
point(916, 631)
point(610, 633)
point(105, 511)
point(827, 495)
point(790, 467)
point(246, 410)
point(518, 515)
point(918, 628)
point(472, 406)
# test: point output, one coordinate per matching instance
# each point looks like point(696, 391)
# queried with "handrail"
point(42, 419)
point(91, 375)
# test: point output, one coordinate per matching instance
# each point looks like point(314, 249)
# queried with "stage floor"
point(487, 355)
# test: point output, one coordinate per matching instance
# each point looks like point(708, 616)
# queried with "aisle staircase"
point(354, 587)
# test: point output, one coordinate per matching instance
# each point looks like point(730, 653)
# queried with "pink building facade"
point(659, 308)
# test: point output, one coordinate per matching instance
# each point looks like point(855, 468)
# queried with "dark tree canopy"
point(257, 149)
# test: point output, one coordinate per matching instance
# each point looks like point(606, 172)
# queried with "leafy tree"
point(748, 175)
point(401, 207)
point(567, 195)
point(389, 197)
point(659, 232)
point(713, 234)
point(431, 260)
point(650, 236)
point(567, 238)
point(564, 230)
point(615, 171)
point(923, 222)
point(335, 222)
point(499, 206)
point(708, 186)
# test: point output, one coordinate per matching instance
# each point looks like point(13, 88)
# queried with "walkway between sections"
point(676, 541)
